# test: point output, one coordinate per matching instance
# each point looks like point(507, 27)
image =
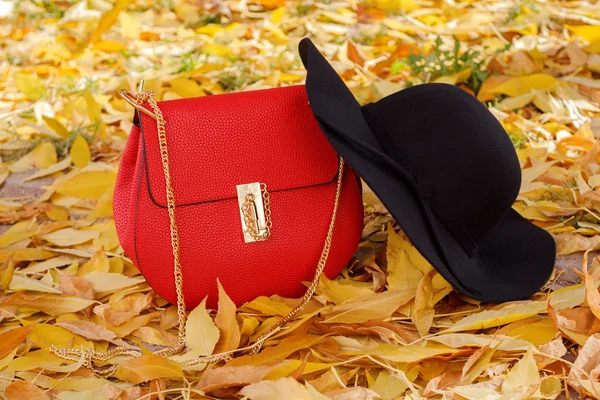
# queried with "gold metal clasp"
point(252, 212)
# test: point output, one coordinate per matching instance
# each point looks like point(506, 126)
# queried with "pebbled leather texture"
point(215, 143)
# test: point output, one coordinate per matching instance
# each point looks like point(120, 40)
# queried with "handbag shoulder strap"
point(90, 355)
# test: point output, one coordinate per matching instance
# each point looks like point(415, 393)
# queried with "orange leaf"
point(11, 339)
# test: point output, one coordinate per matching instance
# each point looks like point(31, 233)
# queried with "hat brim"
point(513, 262)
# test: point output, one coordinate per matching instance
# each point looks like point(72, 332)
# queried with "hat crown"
point(451, 141)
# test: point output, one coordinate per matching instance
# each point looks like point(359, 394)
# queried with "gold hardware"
point(90, 355)
point(132, 100)
point(255, 211)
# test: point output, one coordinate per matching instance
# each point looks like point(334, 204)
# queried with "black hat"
point(447, 172)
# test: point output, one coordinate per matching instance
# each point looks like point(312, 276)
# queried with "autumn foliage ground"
point(389, 326)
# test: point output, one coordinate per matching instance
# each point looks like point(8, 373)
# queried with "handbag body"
point(219, 149)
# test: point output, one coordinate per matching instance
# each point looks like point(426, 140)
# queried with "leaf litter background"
point(389, 326)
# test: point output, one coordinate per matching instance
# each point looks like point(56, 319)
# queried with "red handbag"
point(262, 150)
point(239, 188)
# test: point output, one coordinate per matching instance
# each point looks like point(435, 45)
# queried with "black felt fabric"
point(448, 173)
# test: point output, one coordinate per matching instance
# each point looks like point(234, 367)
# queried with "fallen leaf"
point(423, 313)
point(226, 321)
point(147, 367)
point(80, 152)
point(380, 306)
point(9, 340)
point(201, 332)
point(284, 388)
point(21, 390)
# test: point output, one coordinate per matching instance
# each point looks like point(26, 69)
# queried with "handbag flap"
point(218, 142)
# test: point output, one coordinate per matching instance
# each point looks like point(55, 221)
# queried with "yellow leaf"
point(123, 310)
point(110, 46)
point(591, 291)
point(523, 85)
point(269, 307)
point(187, 88)
point(522, 378)
point(568, 297)
point(389, 386)
point(28, 254)
point(109, 282)
point(59, 166)
point(9, 340)
point(43, 156)
point(453, 79)
point(43, 359)
point(7, 270)
point(278, 14)
point(80, 152)
point(104, 206)
point(30, 85)
point(98, 263)
point(423, 313)
point(148, 367)
point(210, 29)
point(87, 185)
point(380, 306)
point(57, 213)
point(402, 273)
point(409, 354)
point(287, 346)
point(339, 293)
point(116, 265)
point(108, 237)
point(216, 49)
point(227, 323)
point(69, 237)
point(536, 333)
point(590, 33)
point(531, 174)
point(130, 24)
point(50, 304)
point(94, 112)
point(4, 172)
point(201, 332)
point(19, 231)
point(19, 282)
point(107, 20)
point(284, 388)
point(45, 335)
point(284, 77)
point(56, 126)
point(476, 364)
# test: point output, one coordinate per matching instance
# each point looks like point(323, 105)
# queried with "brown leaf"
point(592, 295)
point(76, 286)
point(21, 390)
point(88, 330)
point(227, 323)
point(50, 304)
point(121, 311)
point(218, 378)
point(11, 339)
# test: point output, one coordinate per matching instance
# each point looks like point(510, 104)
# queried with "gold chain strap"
point(90, 355)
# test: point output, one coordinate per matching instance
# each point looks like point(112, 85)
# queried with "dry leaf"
point(229, 338)
point(21, 390)
point(201, 332)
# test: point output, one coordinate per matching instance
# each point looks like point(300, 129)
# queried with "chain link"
point(90, 355)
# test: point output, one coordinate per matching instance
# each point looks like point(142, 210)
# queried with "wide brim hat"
point(448, 173)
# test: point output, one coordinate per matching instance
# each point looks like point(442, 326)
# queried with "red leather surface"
point(216, 143)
